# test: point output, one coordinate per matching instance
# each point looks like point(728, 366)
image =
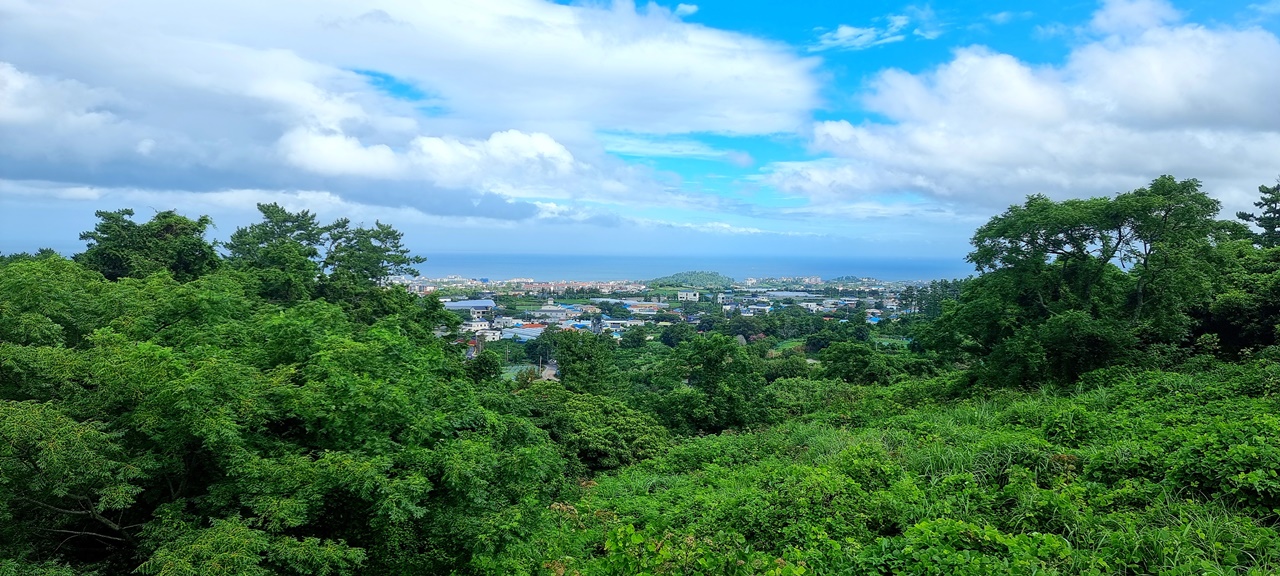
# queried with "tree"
point(856, 363)
point(283, 251)
point(634, 337)
point(367, 254)
point(1268, 219)
point(730, 379)
point(118, 247)
point(542, 349)
point(192, 428)
point(674, 334)
point(295, 257)
point(1057, 276)
point(21, 256)
point(486, 365)
point(585, 361)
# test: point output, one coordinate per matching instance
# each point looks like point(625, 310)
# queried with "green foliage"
point(855, 363)
point(597, 432)
point(585, 361)
point(1080, 284)
point(694, 279)
point(198, 428)
point(676, 333)
point(952, 547)
point(118, 247)
point(294, 258)
point(634, 337)
point(484, 366)
point(1233, 459)
point(1101, 400)
point(1269, 217)
point(632, 552)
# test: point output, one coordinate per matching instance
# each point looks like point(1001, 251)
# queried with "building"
point(688, 296)
point(552, 312)
point(475, 308)
point(522, 334)
point(645, 308)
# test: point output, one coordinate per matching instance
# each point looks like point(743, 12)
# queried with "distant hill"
point(694, 279)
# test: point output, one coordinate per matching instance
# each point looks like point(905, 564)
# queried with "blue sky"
point(849, 129)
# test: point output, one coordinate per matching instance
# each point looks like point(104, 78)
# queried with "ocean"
point(547, 267)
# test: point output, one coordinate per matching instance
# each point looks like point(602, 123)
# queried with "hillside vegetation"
point(693, 279)
point(1103, 398)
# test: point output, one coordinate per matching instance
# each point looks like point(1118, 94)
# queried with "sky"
point(727, 127)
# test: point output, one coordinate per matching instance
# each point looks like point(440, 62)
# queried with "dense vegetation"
point(694, 279)
point(1104, 398)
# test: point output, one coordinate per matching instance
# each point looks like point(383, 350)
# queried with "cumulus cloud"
point(312, 95)
point(1125, 16)
point(985, 129)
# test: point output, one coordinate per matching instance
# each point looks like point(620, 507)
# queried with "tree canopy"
point(1101, 398)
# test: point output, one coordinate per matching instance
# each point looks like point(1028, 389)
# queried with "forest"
point(1101, 397)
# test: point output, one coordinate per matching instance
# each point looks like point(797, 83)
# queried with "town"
point(520, 309)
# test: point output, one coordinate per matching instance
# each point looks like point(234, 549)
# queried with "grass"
point(789, 344)
point(511, 371)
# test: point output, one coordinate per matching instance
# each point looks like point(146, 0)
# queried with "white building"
point(688, 296)
point(477, 308)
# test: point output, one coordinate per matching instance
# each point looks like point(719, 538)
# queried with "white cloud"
point(336, 154)
point(1008, 16)
point(1126, 16)
point(894, 29)
point(44, 110)
point(985, 129)
point(507, 160)
point(846, 37)
point(1268, 8)
point(632, 145)
point(928, 26)
point(510, 96)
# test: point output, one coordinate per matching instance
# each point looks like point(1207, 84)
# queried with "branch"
point(55, 508)
point(78, 533)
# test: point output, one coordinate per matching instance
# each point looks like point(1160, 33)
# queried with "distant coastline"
point(547, 267)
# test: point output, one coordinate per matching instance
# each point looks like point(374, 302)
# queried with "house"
point(619, 325)
point(648, 308)
point(476, 325)
point(688, 296)
point(758, 309)
point(551, 311)
point(523, 333)
point(475, 308)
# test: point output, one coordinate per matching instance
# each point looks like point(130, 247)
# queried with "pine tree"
point(1269, 219)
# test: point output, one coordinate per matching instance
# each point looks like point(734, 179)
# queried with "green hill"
point(694, 279)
